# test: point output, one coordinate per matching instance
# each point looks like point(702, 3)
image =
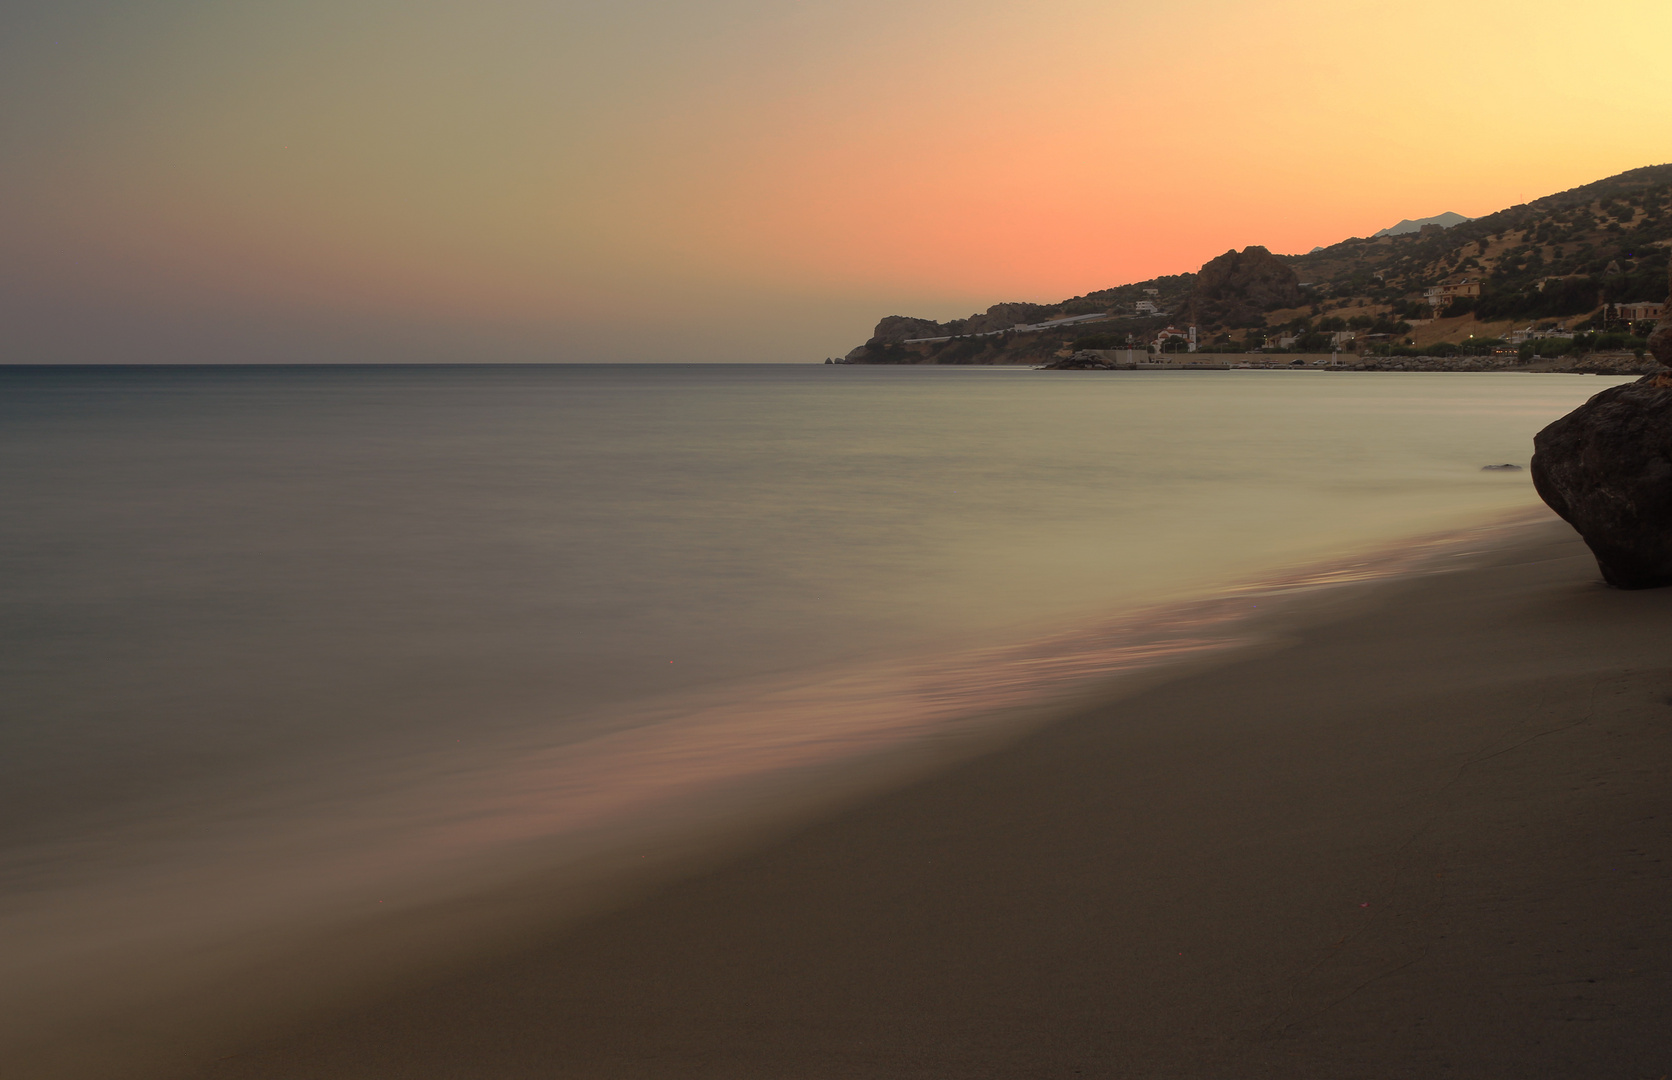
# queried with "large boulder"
point(1606, 468)
point(1238, 288)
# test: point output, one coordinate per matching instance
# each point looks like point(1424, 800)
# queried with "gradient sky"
point(758, 180)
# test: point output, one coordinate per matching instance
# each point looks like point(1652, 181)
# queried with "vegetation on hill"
point(1604, 242)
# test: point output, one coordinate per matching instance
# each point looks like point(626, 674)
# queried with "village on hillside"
point(1573, 281)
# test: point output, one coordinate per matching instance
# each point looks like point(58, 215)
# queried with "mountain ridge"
point(1409, 225)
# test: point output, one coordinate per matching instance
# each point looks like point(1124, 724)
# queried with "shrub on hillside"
point(1557, 299)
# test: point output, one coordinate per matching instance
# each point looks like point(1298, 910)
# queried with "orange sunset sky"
point(749, 180)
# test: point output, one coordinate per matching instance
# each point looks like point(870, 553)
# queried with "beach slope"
point(1430, 836)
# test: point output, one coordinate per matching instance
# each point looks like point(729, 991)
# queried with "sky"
point(741, 180)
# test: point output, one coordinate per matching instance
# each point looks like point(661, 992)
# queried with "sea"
point(305, 671)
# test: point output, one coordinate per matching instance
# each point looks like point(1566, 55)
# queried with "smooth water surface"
point(298, 616)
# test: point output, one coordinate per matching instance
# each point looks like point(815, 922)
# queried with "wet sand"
point(1429, 836)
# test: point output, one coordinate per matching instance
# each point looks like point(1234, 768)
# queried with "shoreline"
point(554, 859)
point(1375, 849)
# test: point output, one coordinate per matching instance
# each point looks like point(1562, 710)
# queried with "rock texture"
point(1660, 342)
point(1238, 288)
point(1606, 468)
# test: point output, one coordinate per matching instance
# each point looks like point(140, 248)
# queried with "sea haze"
point(287, 649)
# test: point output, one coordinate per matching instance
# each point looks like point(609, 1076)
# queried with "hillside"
point(1553, 262)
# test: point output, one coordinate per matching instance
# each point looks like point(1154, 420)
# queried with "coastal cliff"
point(1550, 282)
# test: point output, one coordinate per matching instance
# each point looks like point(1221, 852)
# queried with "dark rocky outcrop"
point(1606, 468)
point(1660, 341)
point(1078, 362)
point(1238, 288)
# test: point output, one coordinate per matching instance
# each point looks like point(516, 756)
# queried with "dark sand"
point(1430, 838)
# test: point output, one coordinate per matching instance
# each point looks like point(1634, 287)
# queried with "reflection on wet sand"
point(474, 841)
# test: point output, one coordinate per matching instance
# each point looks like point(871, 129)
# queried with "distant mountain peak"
point(1444, 221)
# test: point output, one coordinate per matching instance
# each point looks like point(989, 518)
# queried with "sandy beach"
point(1427, 836)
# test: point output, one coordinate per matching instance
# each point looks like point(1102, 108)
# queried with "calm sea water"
point(278, 644)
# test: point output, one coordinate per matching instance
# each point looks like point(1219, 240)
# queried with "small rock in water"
point(1505, 467)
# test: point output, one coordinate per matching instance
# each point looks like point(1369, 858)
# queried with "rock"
point(1238, 288)
point(1084, 360)
point(1606, 468)
point(1660, 341)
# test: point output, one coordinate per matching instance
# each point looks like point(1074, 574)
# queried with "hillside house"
point(1440, 296)
point(1643, 309)
point(1173, 332)
point(1516, 337)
